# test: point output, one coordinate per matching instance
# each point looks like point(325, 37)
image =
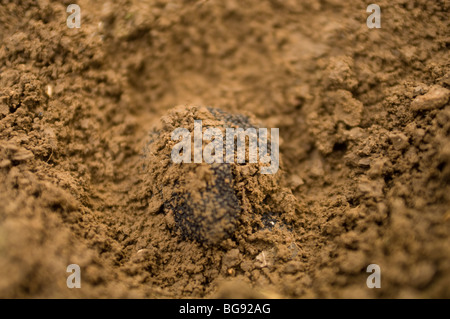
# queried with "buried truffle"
point(208, 202)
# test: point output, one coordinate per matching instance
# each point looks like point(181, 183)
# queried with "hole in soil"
point(340, 147)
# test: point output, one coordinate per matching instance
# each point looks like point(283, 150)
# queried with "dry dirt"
point(364, 120)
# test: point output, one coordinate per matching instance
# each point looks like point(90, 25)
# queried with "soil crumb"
point(86, 176)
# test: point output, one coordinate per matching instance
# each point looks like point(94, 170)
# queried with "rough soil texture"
point(364, 120)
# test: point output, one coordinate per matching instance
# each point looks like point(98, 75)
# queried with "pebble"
point(436, 98)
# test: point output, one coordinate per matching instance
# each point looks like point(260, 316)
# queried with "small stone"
point(436, 98)
point(266, 258)
point(419, 89)
point(364, 162)
point(49, 90)
point(154, 206)
point(261, 261)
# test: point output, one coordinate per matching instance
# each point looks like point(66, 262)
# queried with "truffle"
point(207, 202)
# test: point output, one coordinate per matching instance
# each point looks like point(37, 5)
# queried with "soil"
point(364, 121)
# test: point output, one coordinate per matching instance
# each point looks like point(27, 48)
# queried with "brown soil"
point(364, 120)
